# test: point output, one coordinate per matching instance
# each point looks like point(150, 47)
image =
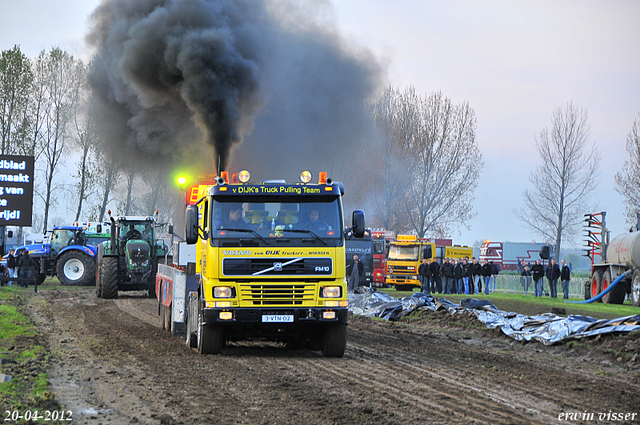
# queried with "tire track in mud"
point(533, 382)
point(391, 374)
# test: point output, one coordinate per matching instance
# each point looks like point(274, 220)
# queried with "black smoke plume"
point(173, 72)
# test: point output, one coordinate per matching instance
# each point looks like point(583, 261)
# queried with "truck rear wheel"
point(334, 342)
point(209, 337)
point(109, 275)
point(75, 268)
point(635, 288)
point(617, 293)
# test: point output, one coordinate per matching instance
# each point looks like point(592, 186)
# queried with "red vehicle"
point(381, 239)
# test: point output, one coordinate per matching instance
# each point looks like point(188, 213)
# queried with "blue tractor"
point(68, 256)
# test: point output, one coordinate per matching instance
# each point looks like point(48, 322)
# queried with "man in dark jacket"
point(476, 272)
point(553, 273)
point(466, 274)
point(495, 269)
point(354, 271)
point(525, 279)
point(434, 276)
point(11, 265)
point(445, 276)
point(25, 266)
point(565, 277)
point(458, 277)
point(538, 273)
point(422, 275)
point(486, 276)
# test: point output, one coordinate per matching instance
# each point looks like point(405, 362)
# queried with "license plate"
point(277, 318)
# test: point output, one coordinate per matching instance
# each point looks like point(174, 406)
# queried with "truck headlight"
point(222, 292)
point(330, 292)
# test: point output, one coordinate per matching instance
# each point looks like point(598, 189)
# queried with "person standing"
point(25, 268)
point(434, 275)
point(525, 279)
point(11, 265)
point(486, 276)
point(422, 275)
point(444, 275)
point(458, 275)
point(354, 271)
point(495, 269)
point(466, 274)
point(565, 277)
point(538, 273)
point(476, 272)
point(553, 273)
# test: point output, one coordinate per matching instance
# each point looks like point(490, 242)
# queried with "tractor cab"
point(62, 237)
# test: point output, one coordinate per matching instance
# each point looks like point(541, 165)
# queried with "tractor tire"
point(152, 286)
point(210, 338)
point(617, 293)
point(635, 288)
point(75, 268)
point(595, 285)
point(605, 282)
point(109, 275)
point(334, 342)
point(99, 281)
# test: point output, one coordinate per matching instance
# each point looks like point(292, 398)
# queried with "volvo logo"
point(277, 267)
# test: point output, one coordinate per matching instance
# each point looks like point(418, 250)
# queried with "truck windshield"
point(291, 217)
point(404, 252)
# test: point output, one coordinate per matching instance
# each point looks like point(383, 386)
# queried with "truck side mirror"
point(357, 221)
point(191, 224)
point(171, 229)
point(10, 233)
point(99, 228)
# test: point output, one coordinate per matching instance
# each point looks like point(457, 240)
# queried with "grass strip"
point(25, 357)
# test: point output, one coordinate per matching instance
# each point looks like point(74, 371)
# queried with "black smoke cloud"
point(170, 73)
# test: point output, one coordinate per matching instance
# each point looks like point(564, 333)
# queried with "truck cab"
point(270, 258)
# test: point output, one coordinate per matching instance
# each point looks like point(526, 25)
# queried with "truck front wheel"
point(334, 343)
point(109, 276)
point(76, 268)
point(209, 337)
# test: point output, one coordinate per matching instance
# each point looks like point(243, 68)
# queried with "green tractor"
point(129, 260)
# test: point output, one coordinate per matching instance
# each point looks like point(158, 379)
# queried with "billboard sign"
point(16, 190)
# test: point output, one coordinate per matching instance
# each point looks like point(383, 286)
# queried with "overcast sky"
point(513, 61)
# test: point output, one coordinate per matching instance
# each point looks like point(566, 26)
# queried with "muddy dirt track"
point(113, 364)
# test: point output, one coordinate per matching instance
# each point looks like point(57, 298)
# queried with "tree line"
point(49, 112)
point(422, 151)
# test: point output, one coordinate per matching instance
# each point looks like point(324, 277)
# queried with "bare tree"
point(87, 145)
point(16, 80)
point(444, 163)
point(628, 179)
point(555, 206)
point(60, 76)
point(430, 160)
point(385, 193)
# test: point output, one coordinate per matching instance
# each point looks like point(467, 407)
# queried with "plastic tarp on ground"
point(546, 328)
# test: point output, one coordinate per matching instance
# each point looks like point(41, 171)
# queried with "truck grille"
point(277, 294)
point(277, 267)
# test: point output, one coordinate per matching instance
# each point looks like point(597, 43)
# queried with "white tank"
point(625, 249)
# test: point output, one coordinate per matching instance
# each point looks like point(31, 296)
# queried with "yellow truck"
point(406, 254)
point(269, 262)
